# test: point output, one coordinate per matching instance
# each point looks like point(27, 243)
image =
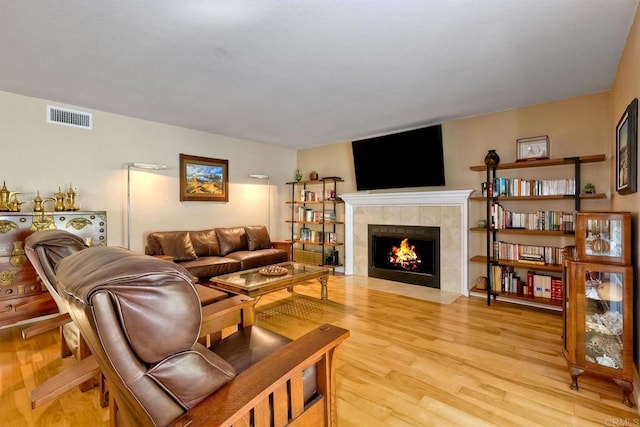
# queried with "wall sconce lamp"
point(260, 176)
point(135, 166)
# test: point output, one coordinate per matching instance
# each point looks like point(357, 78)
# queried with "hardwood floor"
point(408, 362)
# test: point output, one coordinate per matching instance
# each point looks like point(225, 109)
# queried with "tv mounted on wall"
point(407, 159)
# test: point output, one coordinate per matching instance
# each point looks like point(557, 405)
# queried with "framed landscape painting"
point(203, 179)
point(627, 149)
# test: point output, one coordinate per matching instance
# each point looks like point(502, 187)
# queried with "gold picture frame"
point(533, 148)
point(203, 179)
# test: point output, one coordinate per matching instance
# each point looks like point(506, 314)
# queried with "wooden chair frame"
point(269, 391)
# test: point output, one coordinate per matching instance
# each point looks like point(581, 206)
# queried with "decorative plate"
point(274, 270)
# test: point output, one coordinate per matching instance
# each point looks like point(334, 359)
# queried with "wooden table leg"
point(324, 293)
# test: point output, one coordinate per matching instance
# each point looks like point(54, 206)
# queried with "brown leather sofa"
point(141, 318)
point(208, 253)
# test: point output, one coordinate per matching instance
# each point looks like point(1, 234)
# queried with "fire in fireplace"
point(409, 254)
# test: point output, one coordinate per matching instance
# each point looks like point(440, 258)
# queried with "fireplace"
point(403, 253)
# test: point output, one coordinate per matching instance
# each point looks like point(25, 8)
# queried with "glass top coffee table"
point(255, 283)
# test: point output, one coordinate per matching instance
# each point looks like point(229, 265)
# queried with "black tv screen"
point(407, 159)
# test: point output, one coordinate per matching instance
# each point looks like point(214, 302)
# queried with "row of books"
point(309, 215)
point(316, 236)
point(317, 196)
point(505, 280)
point(519, 187)
point(539, 220)
point(527, 253)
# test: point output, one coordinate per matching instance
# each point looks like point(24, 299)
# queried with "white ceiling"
point(306, 73)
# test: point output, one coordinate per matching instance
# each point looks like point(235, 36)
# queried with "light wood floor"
point(408, 362)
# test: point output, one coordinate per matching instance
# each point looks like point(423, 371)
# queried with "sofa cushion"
point(205, 242)
point(257, 237)
point(231, 239)
point(176, 244)
point(210, 266)
point(259, 258)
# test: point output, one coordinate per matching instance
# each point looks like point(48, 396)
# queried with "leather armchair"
point(142, 320)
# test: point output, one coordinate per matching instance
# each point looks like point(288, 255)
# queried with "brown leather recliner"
point(141, 317)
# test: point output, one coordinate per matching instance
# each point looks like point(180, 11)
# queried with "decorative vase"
point(298, 175)
point(18, 258)
point(313, 176)
point(492, 158)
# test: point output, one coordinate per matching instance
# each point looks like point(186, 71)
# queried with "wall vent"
point(63, 116)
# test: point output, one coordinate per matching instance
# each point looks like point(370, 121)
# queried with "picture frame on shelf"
point(203, 179)
point(626, 150)
point(532, 148)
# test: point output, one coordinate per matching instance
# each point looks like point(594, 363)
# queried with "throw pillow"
point(231, 239)
point(205, 242)
point(257, 237)
point(177, 244)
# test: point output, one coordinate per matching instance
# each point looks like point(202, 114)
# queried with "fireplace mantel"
point(457, 199)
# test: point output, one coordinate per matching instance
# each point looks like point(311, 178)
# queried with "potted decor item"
point(313, 176)
point(492, 158)
point(589, 188)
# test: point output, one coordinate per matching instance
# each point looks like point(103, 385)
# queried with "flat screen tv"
point(407, 159)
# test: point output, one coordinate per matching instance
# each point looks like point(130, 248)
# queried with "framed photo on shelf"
point(626, 150)
point(533, 148)
point(203, 179)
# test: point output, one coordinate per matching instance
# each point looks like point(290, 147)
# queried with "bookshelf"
point(316, 231)
point(513, 210)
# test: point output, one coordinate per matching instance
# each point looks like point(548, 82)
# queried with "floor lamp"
point(258, 176)
point(135, 166)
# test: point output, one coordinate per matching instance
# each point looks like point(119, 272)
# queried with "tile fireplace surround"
point(448, 210)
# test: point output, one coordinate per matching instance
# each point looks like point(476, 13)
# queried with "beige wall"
point(40, 156)
point(576, 126)
point(626, 86)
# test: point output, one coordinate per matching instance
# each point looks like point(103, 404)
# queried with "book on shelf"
point(546, 291)
point(556, 289)
point(529, 290)
point(538, 286)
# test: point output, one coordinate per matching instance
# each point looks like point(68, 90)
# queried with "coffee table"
point(254, 284)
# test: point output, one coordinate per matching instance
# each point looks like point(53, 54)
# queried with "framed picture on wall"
point(203, 179)
point(627, 149)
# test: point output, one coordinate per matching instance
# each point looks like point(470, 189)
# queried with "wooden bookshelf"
point(528, 235)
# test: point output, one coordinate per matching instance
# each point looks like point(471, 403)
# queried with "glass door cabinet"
point(598, 306)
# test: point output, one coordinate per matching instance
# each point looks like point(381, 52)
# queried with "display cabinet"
point(598, 304)
point(22, 296)
point(600, 237)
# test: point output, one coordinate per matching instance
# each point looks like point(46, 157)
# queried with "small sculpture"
point(59, 199)
point(70, 200)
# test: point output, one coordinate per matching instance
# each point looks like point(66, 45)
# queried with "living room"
point(44, 157)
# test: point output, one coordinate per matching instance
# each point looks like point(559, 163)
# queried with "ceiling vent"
point(63, 116)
